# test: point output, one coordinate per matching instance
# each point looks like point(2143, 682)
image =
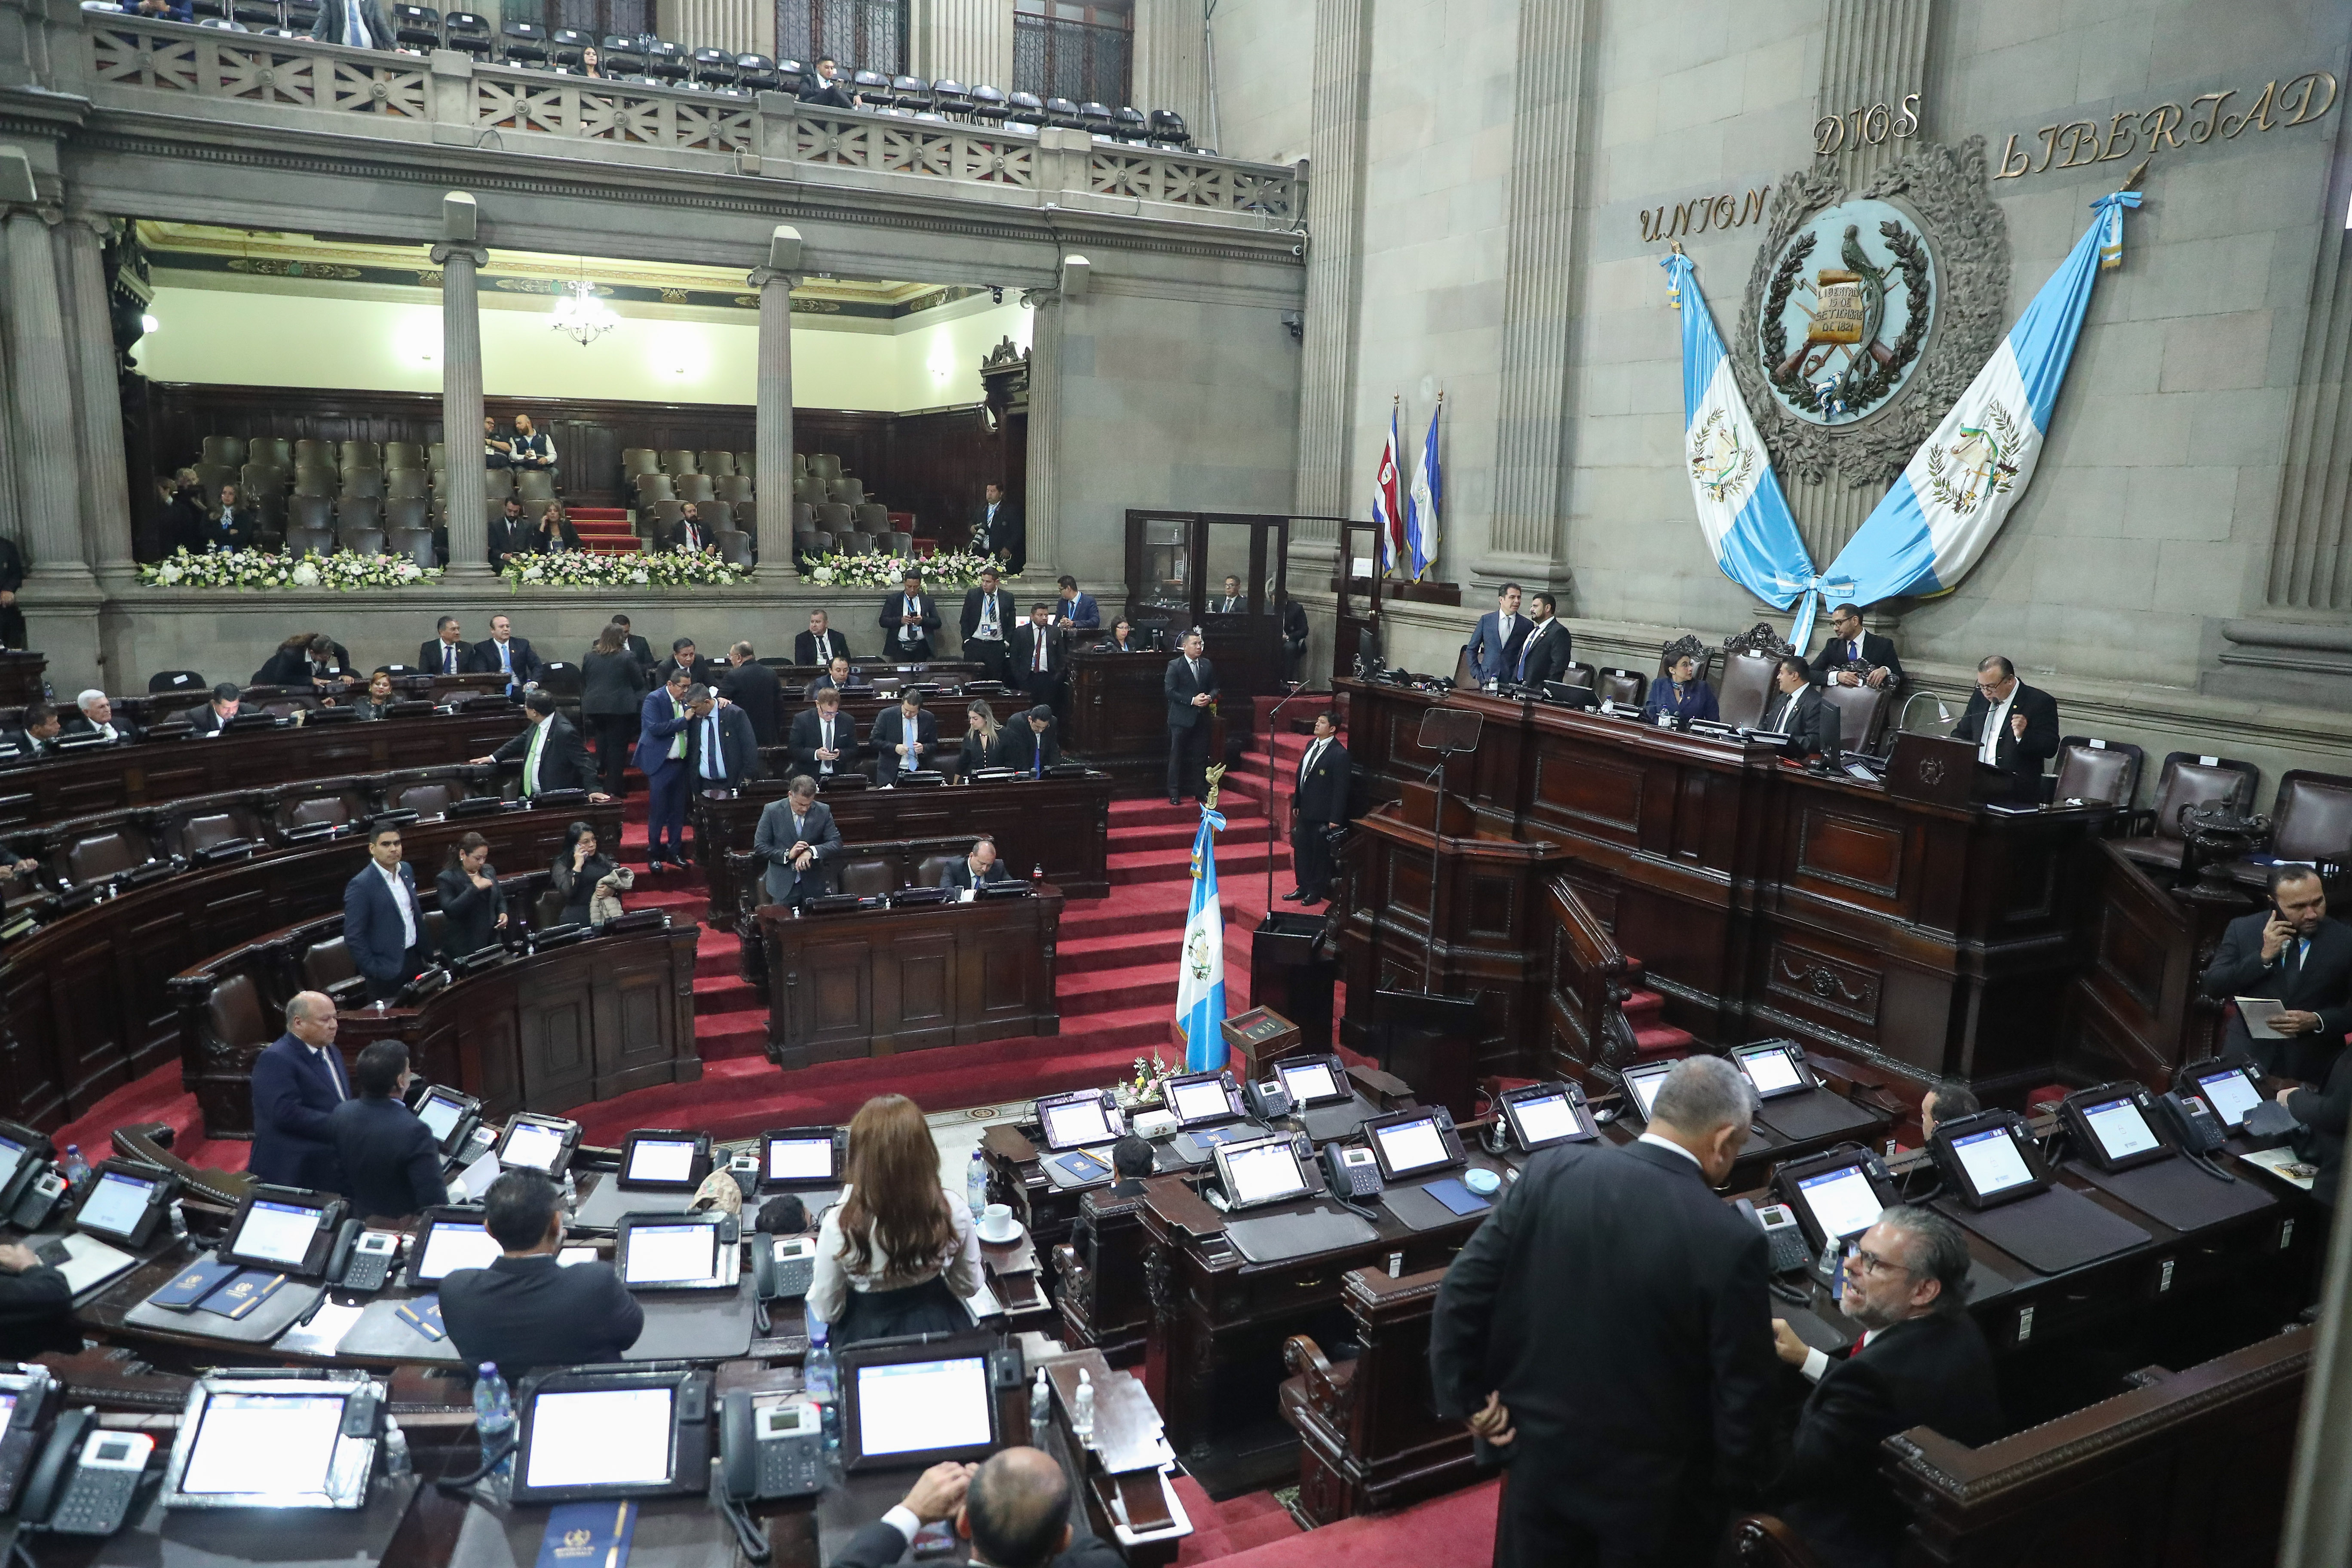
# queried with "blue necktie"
point(714, 755)
point(448, 659)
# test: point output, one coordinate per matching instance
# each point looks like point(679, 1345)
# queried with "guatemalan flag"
point(1940, 517)
point(1740, 508)
point(1421, 502)
point(1388, 521)
point(1201, 965)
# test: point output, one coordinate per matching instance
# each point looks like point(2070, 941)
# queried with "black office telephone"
point(44, 1197)
point(362, 1258)
point(1783, 1230)
point(783, 1266)
point(23, 1155)
point(87, 1477)
point(2191, 1121)
point(1351, 1170)
point(29, 1392)
point(769, 1451)
point(1266, 1101)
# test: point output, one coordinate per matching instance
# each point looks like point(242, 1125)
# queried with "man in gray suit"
point(355, 23)
point(797, 838)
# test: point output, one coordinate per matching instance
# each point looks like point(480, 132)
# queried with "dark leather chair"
point(547, 910)
point(1861, 709)
point(1576, 674)
point(165, 680)
point(1746, 689)
point(561, 678)
point(866, 878)
point(933, 871)
point(2188, 779)
point(202, 828)
point(107, 852)
point(234, 1014)
point(2311, 819)
point(307, 805)
point(428, 798)
point(1620, 686)
point(2093, 769)
point(735, 547)
point(327, 966)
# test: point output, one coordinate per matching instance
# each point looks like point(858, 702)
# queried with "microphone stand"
point(1295, 687)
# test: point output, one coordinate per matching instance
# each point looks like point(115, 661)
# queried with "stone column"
point(48, 484)
point(968, 40)
point(1039, 505)
point(461, 407)
point(1171, 66)
point(1343, 46)
point(729, 25)
point(1526, 535)
point(98, 403)
point(2319, 1504)
point(772, 425)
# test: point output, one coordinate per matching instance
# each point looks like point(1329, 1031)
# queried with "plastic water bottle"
point(1041, 1407)
point(571, 1194)
point(975, 1184)
point(179, 1221)
point(820, 1379)
point(77, 1168)
point(494, 1419)
point(1082, 1408)
point(396, 1462)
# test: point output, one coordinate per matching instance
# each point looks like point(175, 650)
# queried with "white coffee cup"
point(996, 1221)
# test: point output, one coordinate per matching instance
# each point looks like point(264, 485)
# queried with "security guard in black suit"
point(1318, 799)
point(1190, 686)
point(526, 1310)
point(391, 1163)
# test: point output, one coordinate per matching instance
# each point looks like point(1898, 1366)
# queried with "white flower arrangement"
point(586, 569)
point(345, 571)
point(946, 570)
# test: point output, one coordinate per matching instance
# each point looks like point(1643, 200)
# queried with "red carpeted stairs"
point(1457, 1528)
point(1235, 1525)
point(604, 529)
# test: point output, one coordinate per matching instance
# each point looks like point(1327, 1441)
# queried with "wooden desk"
point(1063, 825)
point(1118, 719)
point(876, 982)
point(20, 675)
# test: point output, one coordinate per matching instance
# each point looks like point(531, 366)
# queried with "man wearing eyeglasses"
point(1921, 1361)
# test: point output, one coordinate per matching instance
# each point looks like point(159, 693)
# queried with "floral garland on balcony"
point(586, 569)
point(945, 570)
point(345, 571)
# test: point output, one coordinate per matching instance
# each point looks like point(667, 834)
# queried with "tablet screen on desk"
point(661, 1159)
point(265, 1443)
point(1074, 1123)
point(1771, 1071)
point(1844, 1202)
point(115, 1206)
point(1548, 1119)
point(531, 1146)
point(1643, 1085)
point(672, 1254)
point(1265, 1174)
point(1199, 1099)
point(914, 1407)
point(455, 1244)
point(1307, 1082)
point(277, 1233)
point(2231, 1094)
point(2120, 1129)
point(1413, 1146)
point(440, 1115)
point(601, 1437)
point(1991, 1161)
point(800, 1160)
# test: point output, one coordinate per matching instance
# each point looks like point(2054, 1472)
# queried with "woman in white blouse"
point(897, 1255)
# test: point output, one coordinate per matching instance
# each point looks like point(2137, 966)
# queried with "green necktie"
point(678, 747)
point(530, 762)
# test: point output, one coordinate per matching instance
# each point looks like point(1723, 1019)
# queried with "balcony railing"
point(252, 79)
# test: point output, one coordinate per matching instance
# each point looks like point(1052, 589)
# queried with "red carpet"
point(1235, 1525)
point(604, 529)
point(1456, 1529)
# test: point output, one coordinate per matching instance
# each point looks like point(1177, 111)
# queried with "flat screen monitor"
point(1774, 1070)
point(663, 1161)
point(1411, 1148)
point(916, 1407)
point(256, 1446)
point(610, 1440)
point(531, 1146)
point(1200, 1099)
point(1841, 1200)
point(441, 1111)
point(1312, 1080)
point(1993, 1161)
point(119, 1202)
point(684, 1253)
point(1642, 1086)
point(2121, 1131)
point(1075, 1122)
point(276, 1232)
point(451, 1242)
point(2231, 1091)
point(799, 1156)
point(1263, 1173)
point(1541, 1115)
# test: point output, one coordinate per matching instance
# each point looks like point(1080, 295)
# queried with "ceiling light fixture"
point(580, 315)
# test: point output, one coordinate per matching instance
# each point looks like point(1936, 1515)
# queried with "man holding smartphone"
point(2292, 953)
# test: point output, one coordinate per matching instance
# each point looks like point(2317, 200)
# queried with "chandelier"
point(580, 315)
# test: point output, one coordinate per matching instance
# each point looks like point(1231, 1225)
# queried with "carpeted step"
point(743, 1032)
point(1458, 1527)
point(721, 991)
point(1261, 1531)
point(1160, 865)
point(1172, 837)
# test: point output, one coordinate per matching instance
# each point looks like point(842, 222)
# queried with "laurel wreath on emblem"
point(1869, 388)
point(1720, 474)
point(1977, 467)
point(1196, 954)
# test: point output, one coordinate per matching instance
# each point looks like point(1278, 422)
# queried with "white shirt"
point(1788, 711)
point(531, 755)
point(1996, 725)
point(1816, 1363)
point(1670, 1143)
point(323, 1053)
point(1037, 648)
point(1307, 766)
point(714, 749)
point(401, 901)
point(988, 626)
point(910, 735)
point(913, 605)
point(958, 1263)
point(825, 729)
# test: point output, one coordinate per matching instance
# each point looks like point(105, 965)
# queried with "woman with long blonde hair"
point(897, 1254)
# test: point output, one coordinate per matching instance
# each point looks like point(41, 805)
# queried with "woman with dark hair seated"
point(1679, 693)
point(984, 745)
point(377, 700)
point(555, 531)
point(473, 905)
point(1122, 638)
point(897, 1254)
point(587, 878)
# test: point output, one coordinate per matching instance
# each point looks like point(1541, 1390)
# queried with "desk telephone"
point(87, 1477)
point(1786, 1235)
point(1267, 1101)
point(2191, 1122)
point(362, 1258)
point(769, 1451)
point(1351, 1173)
point(783, 1266)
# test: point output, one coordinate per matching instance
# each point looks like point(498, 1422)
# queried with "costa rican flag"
point(1387, 516)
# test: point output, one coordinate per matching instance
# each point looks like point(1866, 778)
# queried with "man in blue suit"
point(662, 744)
point(297, 1084)
point(382, 921)
point(1495, 646)
point(1078, 611)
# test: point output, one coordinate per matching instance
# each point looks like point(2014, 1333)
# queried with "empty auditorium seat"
point(240, 1029)
point(363, 484)
point(357, 456)
point(756, 73)
point(677, 460)
point(565, 46)
point(2311, 819)
point(716, 515)
point(277, 451)
point(736, 547)
point(498, 483)
point(859, 544)
point(415, 542)
point(417, 26)
point(910, 92)
point(534, 485)
point(525, 43)
point(872, 516)
point(824, 465)
point(313, 454)
point(1095, 119)
point(1023, 108)
point(210, 476)
point(1168, 129)
point(621, 55)
point(899, 544)
point(304, 539)
point(2093, 769)
point(637, 460)
point(166, 681)
point(260, 479)
point(713, 68)
point(103, 854)
point(817, 543)
point(694, 487)
point(1061, 112)
point(428, 798)
point(325, 802)
point(1746, 689)
point(363, 540)
point(949, 96)
point(718, 465)
point(224, 451)
point(309, 510)
point(328, 966)
point(849, 488)
point(667, 63)
point(468, 33)
point(399, 455)
point(2187, 780)
point(988, 106)
point(870, 89)
point(399, 483)
point(406, 511)
point(833, 517)
point(1129, 125)
point(652, 487)
point(866, 877)
point(1860, 711)
point(734, 488)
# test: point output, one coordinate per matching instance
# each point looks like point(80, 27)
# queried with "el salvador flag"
point(1940, 517)
point(1201, 965)
point(1740, 508)
point(1421, 502)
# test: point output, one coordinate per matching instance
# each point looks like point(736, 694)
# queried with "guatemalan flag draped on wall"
point(1421, 501)
point(1387, 518)
point(1940, 517)
point(1201, 965)
point(1740, 508)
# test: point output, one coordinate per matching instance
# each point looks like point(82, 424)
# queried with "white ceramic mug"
point(996, 1221)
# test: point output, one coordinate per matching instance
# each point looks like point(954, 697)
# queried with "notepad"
point(424, 1315)
point(1082, 1166)
point(2257, 1013)
point(588, 1535)
point(193, 1284)
point(1458, 1197)
point(240, 1296)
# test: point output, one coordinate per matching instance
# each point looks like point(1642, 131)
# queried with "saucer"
point(1012, 1233)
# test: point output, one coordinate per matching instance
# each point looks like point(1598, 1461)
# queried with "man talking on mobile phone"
point(2293, 953)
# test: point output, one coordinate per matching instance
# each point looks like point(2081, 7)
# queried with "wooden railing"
point(1583, 1018)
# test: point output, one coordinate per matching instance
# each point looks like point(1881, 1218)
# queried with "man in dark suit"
point(721, 752)
point(1318, 798)
point(820, 645)
point(1232, 601)
point(1495, 645)
point(693, 535)
point(527, 1311)
point(214, 716)
point(641, 649)
point(1608, 1328)
point(1800, 712)
point(97, 717)
point(37, 735)
point(996, 528)
point(1014, 1509)
point(799, 840)
point(822, 85)
point(987, 623)
point(356, 24)
point(753, 686)
point(1923, 1361)
point(682, 656)
point(552, 753)
point(2013, 727)
point(662, 741)
point(447, 652)
point(511, 534)
point(824, 738)
point(507, 654)
point(978, 865)
point(298, 1082)
point(391, 1161)
point(1294, 637)
point(1853, 656)
point(839, 676)
point(908, 619)
point(1547, 650)
point(232, 525)
point(2324, 1115)
point(1079, 611)
point(1036, 657)
point(1190, 685)
point(905, 739)
point(1030, 744)
point(383, 924)
point(318, 663)
point(2293, 953)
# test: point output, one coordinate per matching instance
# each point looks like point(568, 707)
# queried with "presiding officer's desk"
point(1060, 824)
